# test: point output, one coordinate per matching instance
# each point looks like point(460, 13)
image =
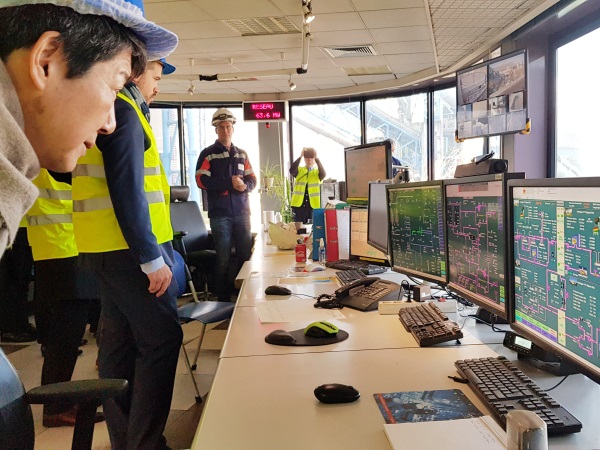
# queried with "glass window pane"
point(404, 121)
point(199, 134)
point(166, 132)
point(576, 100)
point(447, 153)
point(328, 128)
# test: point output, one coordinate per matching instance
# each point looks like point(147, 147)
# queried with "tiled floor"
point(184, 415)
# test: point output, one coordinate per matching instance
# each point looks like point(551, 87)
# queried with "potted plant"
point(278, 186)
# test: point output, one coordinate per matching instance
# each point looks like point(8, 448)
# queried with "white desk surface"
point(267, 402)
point(367, 330)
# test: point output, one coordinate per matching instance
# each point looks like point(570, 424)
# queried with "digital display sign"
point(273, 111)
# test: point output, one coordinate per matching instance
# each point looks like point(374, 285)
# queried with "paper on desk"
point(291, 311)
point(482, 433)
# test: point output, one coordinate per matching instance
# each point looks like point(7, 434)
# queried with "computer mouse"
point(279, 337)
point(277, 290)
point(314, 267)
point(336, 393)
point(321, 329)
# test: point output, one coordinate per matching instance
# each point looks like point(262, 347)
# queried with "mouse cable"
point(305, 295)
point(330, 302)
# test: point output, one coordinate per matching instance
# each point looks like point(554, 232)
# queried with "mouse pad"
point(300, 339)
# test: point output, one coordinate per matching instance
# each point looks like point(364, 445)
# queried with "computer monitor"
point(377, 226)
point(554, 227)
point(364, 163)
point(359, 247)
point(416, 228)
point(476, 239)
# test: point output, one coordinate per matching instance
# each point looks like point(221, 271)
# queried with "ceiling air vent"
point(261, 26)
point(350, 50)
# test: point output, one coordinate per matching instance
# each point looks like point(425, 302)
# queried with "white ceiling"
point(418, 40)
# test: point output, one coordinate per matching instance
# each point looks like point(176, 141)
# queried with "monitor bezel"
point(362, 201)
point(488, 305)
point(581, 364)
point(374, 261)
point(374, 244)
point(440, 280)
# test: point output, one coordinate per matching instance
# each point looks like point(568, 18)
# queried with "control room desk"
point(262, 395)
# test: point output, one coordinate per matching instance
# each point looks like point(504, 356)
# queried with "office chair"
point(191, 238)
point(16, 420)
point(205, 312)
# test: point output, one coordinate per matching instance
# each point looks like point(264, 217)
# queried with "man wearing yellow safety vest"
point(123, 231)
point(62, 289)
point(307, 185)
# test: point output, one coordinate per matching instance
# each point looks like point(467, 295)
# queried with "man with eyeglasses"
point(225, 172)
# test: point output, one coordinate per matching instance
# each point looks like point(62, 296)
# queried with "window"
point(576, 134)
point(404, 121)
point(329, 128)
point(165, 124)
point(447, 153)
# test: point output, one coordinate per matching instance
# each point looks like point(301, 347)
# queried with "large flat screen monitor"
point(416, 227)
point(556, 277)
point(364, 163)
point(377, 226)
point(476, 237)
point(491, 97)
point(359, 247)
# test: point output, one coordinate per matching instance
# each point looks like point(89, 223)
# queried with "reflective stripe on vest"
point(96, 225)
point(311, 178)
point(50, 220)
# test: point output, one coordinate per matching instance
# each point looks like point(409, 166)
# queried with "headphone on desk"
point(327, 301)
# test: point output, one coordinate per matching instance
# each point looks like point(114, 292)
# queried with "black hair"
point(87, 39)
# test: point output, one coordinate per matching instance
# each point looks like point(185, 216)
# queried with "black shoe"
point(16, 337)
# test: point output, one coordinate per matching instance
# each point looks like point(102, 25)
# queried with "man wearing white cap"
point(62, 63)
point(123, 233)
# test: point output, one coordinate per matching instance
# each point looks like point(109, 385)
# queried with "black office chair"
point(191, 238)
point(205, 312)
point(16, 420)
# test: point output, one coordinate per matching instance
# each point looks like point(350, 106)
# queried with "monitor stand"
point(549, 362)
point(485, 316)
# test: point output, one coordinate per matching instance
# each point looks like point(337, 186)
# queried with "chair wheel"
point(194, 367)
point(198, 399)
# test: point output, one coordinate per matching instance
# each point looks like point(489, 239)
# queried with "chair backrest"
point(16, 421)
point(179, 273)
point(186, 216)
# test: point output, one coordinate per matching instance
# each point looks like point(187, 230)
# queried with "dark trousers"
point(65, 329)
point(15, 275)
point(228, 232)
point(141, 338)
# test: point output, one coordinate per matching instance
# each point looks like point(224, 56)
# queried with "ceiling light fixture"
point(307, 11)
point(292, 84)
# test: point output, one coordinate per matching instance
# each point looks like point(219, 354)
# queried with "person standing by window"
point(307, 185)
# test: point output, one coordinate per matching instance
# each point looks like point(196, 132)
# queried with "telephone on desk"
point(365, 294)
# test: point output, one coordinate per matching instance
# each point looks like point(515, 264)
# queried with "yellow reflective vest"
point(304, 177)
point(50, 221)
point(96, 226)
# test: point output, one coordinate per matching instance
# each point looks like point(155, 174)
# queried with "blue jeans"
point(227, 233)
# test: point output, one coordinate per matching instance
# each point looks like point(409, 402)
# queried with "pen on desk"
point(459, 379)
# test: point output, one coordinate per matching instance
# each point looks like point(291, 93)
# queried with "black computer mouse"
point(336, 393)
point(321, 329)
point(279, 337)
point(277, 290)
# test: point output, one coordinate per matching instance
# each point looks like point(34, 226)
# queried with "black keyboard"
point(350, 275)
point(355, 264)
point(503, 387)
point(429, 325)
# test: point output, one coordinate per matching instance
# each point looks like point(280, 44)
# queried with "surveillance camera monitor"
point(377, 226)
point(555, 236)
point(364, 163)
point(416, 229)
point(476, 238)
